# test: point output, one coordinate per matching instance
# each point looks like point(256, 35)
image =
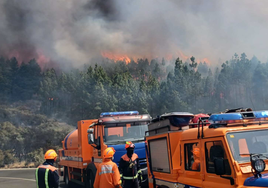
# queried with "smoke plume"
point(72, 32)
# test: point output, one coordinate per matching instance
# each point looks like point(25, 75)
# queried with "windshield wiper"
point(124, 141)
point(115, 141)
point(133, 139)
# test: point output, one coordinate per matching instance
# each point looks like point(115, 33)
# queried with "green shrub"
point(1, 158)
point(36, 156)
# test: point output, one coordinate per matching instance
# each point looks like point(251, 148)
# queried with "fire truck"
point(230, 150)
point(83, 147)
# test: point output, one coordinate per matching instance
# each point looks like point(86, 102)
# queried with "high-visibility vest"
point(48, 168)
point(126, 173)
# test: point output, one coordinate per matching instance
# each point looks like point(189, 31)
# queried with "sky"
point(71, 33)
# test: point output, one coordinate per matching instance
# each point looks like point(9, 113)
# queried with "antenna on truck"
point(198, 134)
point(202, 134)
point(201, 122)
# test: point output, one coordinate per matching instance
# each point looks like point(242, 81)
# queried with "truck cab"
point(114, 129)
point(228, 151)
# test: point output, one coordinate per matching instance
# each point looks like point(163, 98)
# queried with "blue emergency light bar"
point(236, 117)
point(126, 113)
point(225, 117)
point(261, 114)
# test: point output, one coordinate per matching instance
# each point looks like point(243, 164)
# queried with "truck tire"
point(91, 172)
point(66, 177)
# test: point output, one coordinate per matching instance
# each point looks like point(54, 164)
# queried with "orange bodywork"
point(83, 148)
point(179, 176)
point(76, 153)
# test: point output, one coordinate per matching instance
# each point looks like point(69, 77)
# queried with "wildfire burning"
point(169, 57)
point(45, 62)
point(184, 57)
point(116, 57)
point(25, 56)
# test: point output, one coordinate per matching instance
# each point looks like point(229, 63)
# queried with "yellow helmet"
point(51, 154)
point(108, 153)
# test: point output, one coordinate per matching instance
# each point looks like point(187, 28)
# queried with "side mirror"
point(220, 169)
point(219, 166)
point(93, 142)
point(90, 135)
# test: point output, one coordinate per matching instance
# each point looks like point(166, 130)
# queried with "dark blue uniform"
point(130, 171)
point(47, 176)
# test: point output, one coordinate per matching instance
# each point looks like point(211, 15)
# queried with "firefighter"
point(196, 155)
point(130, 168)
point(46, 174)
point(107, 175)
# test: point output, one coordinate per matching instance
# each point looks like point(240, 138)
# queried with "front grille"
point(143, 161)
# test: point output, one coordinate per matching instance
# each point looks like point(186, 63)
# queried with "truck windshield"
point(121, 134)
point(247, 142)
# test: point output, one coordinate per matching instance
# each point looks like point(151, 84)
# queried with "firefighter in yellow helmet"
point(107, 175)
point(130, 168)
point(46, 174)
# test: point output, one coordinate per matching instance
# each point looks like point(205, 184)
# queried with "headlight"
point(258, 165)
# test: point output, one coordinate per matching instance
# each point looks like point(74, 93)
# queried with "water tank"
point(70, 142)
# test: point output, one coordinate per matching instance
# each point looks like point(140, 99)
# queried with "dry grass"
point(22, 164)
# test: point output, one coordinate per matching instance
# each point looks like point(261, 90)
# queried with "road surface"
point(21, 178)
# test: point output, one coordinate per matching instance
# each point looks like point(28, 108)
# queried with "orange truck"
point(230, 150)
point(83, 147)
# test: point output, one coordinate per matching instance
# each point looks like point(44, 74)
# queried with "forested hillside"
point(25, 135)
point(153, 87)
point(35, 101)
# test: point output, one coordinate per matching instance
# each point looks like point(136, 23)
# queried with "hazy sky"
point(75, 31)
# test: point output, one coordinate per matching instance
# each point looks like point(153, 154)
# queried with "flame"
point(206, 60)
point(116, 57)
point(42, 60)
point(169, 57)
point(26, 56)
point(175, 55)
point(182, 55)
point(15, 54)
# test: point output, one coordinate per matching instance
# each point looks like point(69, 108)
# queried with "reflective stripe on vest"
point(36, 177)
point(140, 173)
point(106, 169)
point(46, 178)
point(134, 177)
point(131, 178)
point(106, 172)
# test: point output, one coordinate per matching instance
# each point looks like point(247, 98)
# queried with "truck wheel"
point(66, 177)
point(91, 171)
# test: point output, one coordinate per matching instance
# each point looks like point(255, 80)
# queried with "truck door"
point(216, 149)
point(191, 173)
